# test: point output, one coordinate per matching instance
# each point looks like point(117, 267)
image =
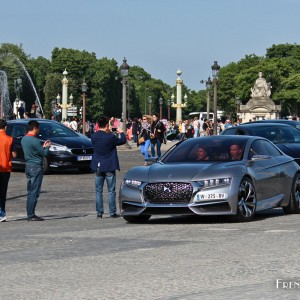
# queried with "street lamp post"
point(71, 100)
point(58, 99)
point(150, 103)
point(124, 73)
point(168, 105)
point(215, 74)
point(145, 106)
point(238, 103)
point(160, 107)
point(84, 89)
point(208, 84)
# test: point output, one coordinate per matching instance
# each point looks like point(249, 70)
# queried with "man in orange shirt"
point(7, 150)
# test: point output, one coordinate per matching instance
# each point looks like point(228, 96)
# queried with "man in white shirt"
point(74, 124)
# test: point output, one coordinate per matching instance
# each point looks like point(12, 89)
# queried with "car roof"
point(25, 121)
point(228, 138)
point(259, 124)
point(282, 121)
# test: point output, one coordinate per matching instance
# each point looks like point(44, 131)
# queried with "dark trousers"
point(4, 178)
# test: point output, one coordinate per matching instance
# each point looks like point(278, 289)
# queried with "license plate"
point(84, 157)
point(210, 196)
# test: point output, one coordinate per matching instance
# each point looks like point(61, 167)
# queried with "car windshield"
point(207, 149)
point(55, 129)
point(278, 135)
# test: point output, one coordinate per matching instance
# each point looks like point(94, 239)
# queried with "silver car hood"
point(189, 171)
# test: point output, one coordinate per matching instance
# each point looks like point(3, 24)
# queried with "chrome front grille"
point(168, 192)
point(82, 151)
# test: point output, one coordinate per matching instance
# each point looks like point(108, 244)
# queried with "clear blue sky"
point(159, 35)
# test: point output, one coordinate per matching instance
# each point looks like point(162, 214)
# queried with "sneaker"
point(99, 216)
point(3, 218)
point(35, 218)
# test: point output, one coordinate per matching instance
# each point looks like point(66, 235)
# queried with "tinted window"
point(230, 131)
point(262, 147)
point(192, 150)
point(278, 134)
point(17, 130)
point(54, 129)
point(273, 151)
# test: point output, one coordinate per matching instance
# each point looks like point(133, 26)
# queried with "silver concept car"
point(216, 175)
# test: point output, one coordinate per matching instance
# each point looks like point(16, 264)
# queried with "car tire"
point(246, 204)
point(46, 166)
point(137, 219)
point(294, 204)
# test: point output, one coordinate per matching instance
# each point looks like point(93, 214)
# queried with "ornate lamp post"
point(150, 103)
point(64, 105)
point(160, 107)
point(179, 105)
point(208, 84)
point(58, 99)
point(124, 74)
point(71, 100)
point(84, 89)
point(215, 74)
point(168, 105)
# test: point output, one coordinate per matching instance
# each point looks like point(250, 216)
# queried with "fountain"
point(27, 75)
point(5, 106)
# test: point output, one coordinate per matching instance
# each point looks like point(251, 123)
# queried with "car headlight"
point(58, 148)
point(133, 183)
point(215, 182)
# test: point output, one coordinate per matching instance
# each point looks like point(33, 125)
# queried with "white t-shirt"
point(74, 125)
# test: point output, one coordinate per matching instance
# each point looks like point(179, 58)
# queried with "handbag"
point(141, 140)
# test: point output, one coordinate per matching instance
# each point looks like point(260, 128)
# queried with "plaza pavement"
point(73, 255)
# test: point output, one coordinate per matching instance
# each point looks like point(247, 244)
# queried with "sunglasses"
point(144, 119)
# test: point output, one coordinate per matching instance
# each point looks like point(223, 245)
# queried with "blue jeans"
point(144, 149)
point(158, 146)
point(196, 132)
point(110, 178)
point(34, 176)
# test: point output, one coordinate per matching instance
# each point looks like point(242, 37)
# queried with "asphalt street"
point(74, 255)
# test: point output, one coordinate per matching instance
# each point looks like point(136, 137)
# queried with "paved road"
point(73, 255)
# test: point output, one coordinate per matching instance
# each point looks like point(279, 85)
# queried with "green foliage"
point(280, 66)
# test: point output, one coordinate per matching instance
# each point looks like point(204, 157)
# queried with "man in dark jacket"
point(157, 135)
point(105, 162)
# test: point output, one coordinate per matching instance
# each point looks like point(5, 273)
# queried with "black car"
point(293, 123)
point(286, 137)
point(69, 149)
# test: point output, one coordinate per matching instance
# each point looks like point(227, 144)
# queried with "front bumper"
point(132, 202)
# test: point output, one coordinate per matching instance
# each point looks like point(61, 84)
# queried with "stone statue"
point(262, 88)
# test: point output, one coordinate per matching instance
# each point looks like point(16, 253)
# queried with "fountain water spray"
point(5, 106)
point(27, 75)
